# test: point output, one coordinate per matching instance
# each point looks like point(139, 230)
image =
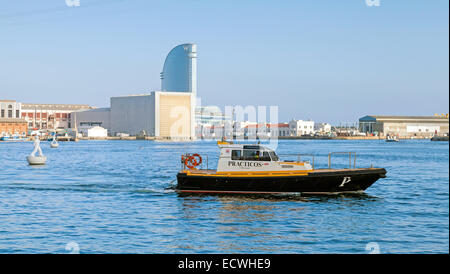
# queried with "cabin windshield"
point(252, 155)
point(274, 156)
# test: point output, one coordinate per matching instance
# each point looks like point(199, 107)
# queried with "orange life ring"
point(191, 162)
point(199, 158)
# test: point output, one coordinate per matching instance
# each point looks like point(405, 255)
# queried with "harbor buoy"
point(32, 158)
point(36, 160)
point(54, 143)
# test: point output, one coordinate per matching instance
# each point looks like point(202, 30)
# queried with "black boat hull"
point(330, 181)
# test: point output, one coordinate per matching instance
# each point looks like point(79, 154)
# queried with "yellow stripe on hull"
point(250, 174)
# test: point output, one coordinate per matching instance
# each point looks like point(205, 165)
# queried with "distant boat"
point(13, 138)
point(439, 138)
point(391, 138)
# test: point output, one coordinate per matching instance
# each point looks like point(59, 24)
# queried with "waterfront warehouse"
point(404, 126)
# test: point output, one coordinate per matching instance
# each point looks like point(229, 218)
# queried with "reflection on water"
point(118, 197)
point(242, 221)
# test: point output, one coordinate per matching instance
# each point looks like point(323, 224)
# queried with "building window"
point(3, 113)
point(9, 113)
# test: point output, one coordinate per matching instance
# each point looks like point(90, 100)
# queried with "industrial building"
point(404, 126)
point(49, 116)
point(24, 117)
point(166, 114)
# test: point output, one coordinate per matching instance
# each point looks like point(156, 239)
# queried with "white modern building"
point(180, 70)
point(301, 127)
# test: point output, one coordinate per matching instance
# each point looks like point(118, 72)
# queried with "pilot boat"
point(256, 169)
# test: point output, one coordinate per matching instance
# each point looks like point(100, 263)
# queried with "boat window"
point(236, 155)
point(273, 156)
point(251, 155)
point(266, 156)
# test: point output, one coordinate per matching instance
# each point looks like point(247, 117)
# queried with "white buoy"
point(36, 160)
point(32, 158)
point(54, 143)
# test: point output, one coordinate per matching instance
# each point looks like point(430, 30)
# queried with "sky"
point(329, 61)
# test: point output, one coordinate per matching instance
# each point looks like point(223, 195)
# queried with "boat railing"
point(299, 157)
point(351, 156)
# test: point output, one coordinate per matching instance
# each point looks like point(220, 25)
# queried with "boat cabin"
point(240, 157)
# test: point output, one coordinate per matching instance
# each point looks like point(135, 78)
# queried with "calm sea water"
point(115, 197)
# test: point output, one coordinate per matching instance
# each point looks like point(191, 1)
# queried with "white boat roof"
point(242, 146)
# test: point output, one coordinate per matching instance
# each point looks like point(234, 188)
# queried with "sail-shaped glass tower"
point(180, 69)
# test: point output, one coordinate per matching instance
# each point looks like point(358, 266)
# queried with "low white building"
point(93, 132)
point(322, 127)
point(301, 127)
point(260, 130)
point(279, 130)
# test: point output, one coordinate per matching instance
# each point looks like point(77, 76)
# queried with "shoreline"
point(151, 138)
